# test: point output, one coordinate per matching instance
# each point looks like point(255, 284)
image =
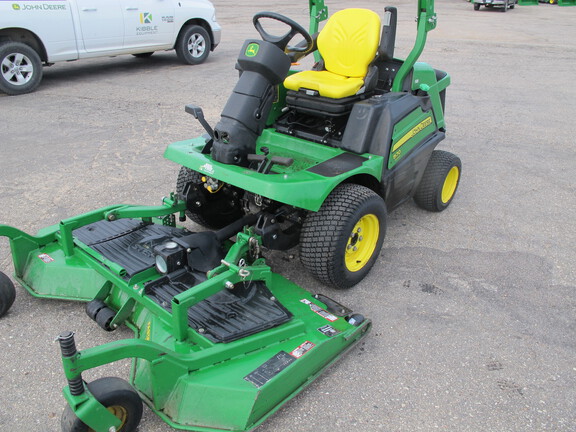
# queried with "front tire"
point(20, 68)
point(439, 182)
point(340, 243)
point(115, 394)
point(193, 45)
point(7, 294)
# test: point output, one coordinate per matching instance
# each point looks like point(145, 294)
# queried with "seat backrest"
point(349, 41)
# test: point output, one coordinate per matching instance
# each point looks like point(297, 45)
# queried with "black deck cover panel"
point(224, 317)
point(127, 242)
point(227, 315)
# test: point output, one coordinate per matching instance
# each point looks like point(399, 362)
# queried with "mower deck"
point(217, 350)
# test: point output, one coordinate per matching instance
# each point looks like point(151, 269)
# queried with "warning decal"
point(46, 258)
point(315, 308)
point(302, 349)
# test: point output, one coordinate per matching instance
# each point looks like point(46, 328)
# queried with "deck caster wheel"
point(439, 182)
point(116, 395)
point(7, 293)
point(340, 243)
point(477, 6)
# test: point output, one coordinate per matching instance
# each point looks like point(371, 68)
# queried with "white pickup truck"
point(36, 32)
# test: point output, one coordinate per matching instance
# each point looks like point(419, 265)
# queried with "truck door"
point(148, 23)
point(101, 24)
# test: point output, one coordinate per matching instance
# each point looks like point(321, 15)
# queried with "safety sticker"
point(302, 349)
point(46, 258)
point(270, 369)
point(328, 330)
point(315, 308)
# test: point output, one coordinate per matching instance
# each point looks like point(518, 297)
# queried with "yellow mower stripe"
point(414, 131)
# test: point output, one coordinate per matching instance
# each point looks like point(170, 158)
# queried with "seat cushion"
point(349, 41)
point(326, 83)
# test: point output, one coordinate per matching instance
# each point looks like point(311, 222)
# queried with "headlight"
point(170, 256)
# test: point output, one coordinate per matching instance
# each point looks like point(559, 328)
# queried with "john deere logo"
point(145, 18)
point(252, 50)
point(15, 6)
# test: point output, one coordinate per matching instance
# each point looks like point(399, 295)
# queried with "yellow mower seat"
point(348, 43)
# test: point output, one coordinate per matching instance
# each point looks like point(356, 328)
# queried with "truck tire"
point(340, 243)
point(20, 68)
point(193, 45)
point(439, 181)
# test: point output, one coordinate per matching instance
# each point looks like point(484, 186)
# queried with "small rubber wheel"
point(20, 68)
point(144, 55)
point(216, 210)
point(505, 8)
point(340, 243)
point(193, 45)
point(7, 293)
point(439, 181)
point(477, 6)
point(115, 394)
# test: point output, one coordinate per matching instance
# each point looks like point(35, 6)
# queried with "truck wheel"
point(116, 395)
point(215, 210)
point(340, 243)
point(7, 293)
point(20, 68)
point(193, 44)
point(439, 182)
point(476, 6)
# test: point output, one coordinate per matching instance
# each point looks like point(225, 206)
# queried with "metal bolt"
point(201, 330)
point(360, 238)
point(272, 298)
point(359, 230)
point(355, 249)
point(112, 429)
point(229, 285)
point(274, 237)
point(198, 204)
point(111, 217)
point(349, 246)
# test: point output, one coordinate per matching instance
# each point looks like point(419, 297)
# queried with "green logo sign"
point(15, 6)
point(252, 50)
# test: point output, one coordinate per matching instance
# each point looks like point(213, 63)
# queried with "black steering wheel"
point(282, 41)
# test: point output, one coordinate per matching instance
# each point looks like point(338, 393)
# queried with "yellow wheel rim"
point(120, 412)
point(362, 242)
point(450, 183)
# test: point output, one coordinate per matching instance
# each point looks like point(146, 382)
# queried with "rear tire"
point(340, 243)
point(20, 68)
point(193, 45)
point(439, 181)
point(115, 394)
point(7, 294)
point(216, 211)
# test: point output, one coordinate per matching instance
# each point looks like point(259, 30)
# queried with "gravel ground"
point(473, 308)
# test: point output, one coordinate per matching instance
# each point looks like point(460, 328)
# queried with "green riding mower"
point(314, 159)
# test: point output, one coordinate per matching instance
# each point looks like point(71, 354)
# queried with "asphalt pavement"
point(473, 309)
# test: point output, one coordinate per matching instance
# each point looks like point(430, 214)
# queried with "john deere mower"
point(313, 159)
